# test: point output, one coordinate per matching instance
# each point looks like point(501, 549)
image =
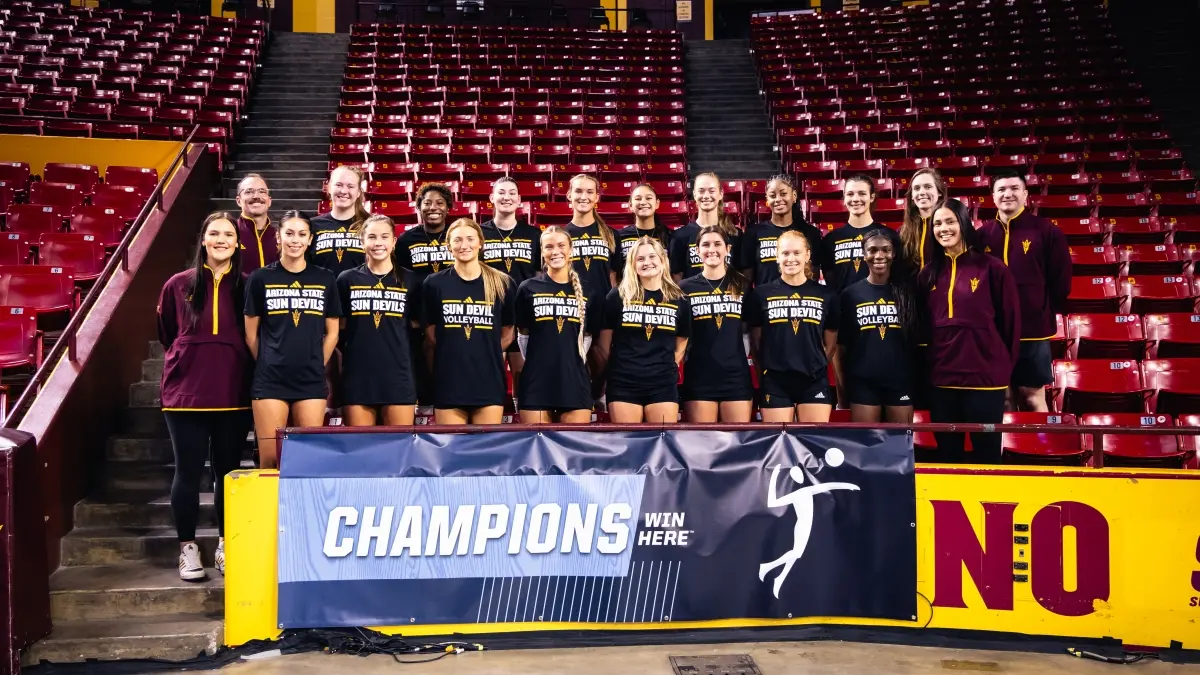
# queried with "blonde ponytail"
point(579, 300)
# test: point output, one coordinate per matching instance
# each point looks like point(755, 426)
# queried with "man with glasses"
point(259, 245)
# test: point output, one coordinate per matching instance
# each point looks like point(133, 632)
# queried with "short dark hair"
point(860, 178)
point(1007, 173)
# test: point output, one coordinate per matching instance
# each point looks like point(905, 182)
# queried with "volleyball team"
point(278, 320)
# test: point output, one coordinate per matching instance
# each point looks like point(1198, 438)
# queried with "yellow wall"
point(313, 16)
point(1111, 554)
point(36, 151)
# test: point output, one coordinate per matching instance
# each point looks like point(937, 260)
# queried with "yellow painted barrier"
point(102, 152)
point(1067, 553)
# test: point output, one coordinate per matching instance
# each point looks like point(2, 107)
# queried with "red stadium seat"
point(125, 201)
point(14, 249)
point(106, 225)
point(84, 175)
point(1134, 449)
point(1153, 259)
point(402, 212)
point(1041, 447)
point(1094, 261)
point(1172, 335)
point(1063, 206)
point(390, 189)
point(1098, 385)
point(1105, 336)
point(1174, 385)
point(1177, 203)
point(1122, 205)
point(64, 197)
point(551, 213)
point(968, 186)
point(923, 440)
point(42, 288)
point(1135, 230)
point(81, 253)
point(33, 220)
point(1189, 443)
point(143, 178)
point(20, 339)
point(1152, 294)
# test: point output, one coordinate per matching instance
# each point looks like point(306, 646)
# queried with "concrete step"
point(149, 479)
point(308, 196)
point(124, 509)
point(719, 154)
point(174, 637)
point(296, 90)
point(115, 546)
point(102, 592)
point(145, 394)
point(282, 183)
point(314, 174)
point(152, 370)
point(156, 349)
point(742, 170)
point(138, 448)
point(146, 420)
point(278, 206)
point(284, 157)
point(305, 129)
point(283, 145)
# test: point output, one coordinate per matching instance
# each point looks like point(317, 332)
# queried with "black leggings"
point(983, 406)
point(195, 436)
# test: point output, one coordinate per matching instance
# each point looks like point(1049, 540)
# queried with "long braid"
point(582, 309)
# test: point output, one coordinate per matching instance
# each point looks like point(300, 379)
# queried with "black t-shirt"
point(423, 252)
point(842, 254)
point(334, 246)
point(643, 342)
point(716, 358)
point(756, 251)
point(592, 259)
point(870, 333)
point(793, 320)
point(376, 367)
point(685, 256)
point(516, 252)
point(555, 374)
point(468, 363)
point(626, 238)
point(292, 308)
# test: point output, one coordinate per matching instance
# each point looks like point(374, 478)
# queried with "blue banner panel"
point(601, 527)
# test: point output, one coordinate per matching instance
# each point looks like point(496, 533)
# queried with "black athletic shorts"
point(1033, 365)
point(642, 396)
point(554, 412)
point(784, 390)
point(866, 392)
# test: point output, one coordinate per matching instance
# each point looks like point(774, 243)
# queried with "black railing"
point(1096, 433)
point(66, 344)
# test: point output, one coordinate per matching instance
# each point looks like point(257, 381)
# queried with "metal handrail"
point(67, 341)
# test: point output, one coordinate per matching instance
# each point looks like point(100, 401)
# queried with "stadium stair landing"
point(286, 137)
point(729, 131)
point(1160, 41)
point(118, 594)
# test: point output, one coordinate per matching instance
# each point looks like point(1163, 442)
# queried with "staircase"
point(729, 131)
point(1160, 42)
point(118, 594)
point(286, 137)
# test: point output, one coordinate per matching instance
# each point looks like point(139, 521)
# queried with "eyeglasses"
point(261, 192)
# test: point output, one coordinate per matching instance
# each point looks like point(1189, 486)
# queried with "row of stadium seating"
point(113, 73)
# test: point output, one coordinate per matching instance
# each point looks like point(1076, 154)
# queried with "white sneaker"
point(190, 568)
point(219, 558)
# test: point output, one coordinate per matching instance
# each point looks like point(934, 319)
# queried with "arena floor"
point(773, 658)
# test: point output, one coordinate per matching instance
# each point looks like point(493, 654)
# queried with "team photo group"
point(278, 320)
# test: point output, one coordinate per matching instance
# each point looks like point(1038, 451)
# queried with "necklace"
point(711, 286)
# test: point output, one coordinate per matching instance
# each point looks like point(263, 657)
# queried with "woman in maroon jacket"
point(205, 379)
point(974, 324)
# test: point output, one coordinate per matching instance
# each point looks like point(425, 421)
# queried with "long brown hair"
point(576, 285)
point(495, 282)
point(910, 230)
point(360, 210)
point(724, 222)
point(737, 284)
point(606, 232)
point(197, 288)
point(630, 288)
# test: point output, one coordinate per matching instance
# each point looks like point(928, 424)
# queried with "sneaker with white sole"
point(219, 557)
point(190, 567)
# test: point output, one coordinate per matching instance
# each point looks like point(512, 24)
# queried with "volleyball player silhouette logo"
point(802, 501)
